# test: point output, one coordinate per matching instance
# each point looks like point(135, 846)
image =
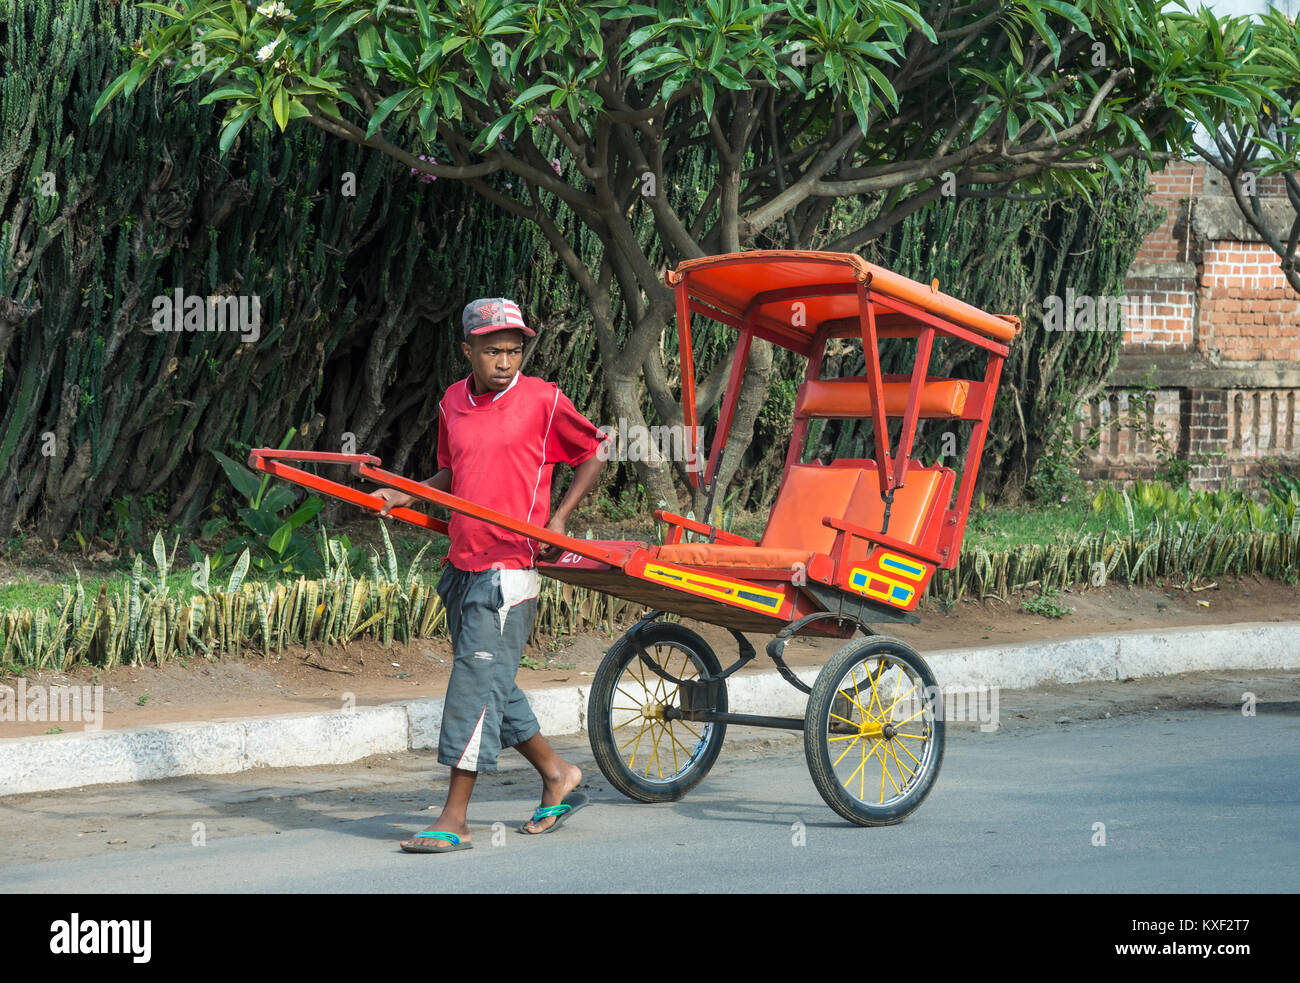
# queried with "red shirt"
point(502, 448)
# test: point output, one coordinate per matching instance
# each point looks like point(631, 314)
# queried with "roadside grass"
point(71, 604)
point(31, 574)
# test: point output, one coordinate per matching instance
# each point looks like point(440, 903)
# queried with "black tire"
point(864, 674)
point(615, 728)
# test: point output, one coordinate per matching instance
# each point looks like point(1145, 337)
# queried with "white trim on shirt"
point(470, 394)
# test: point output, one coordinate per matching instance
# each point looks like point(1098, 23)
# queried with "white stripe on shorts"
point(517, 586)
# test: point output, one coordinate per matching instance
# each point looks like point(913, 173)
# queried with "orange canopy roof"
point(731, 282)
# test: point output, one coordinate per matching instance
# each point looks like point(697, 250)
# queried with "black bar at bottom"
point(746, 719)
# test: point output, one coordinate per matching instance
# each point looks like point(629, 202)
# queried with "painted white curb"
point(219, 747)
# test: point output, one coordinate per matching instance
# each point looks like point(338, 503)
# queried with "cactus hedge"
point(361, 271)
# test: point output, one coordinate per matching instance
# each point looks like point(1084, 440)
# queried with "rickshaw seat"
point(850, 398)
point(723, 555)
point(912, 503)
point(847, 490)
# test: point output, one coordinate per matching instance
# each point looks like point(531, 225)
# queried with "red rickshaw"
point(848, 543)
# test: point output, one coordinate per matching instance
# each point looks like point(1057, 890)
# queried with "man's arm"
point(585, 476)
point(396, 499)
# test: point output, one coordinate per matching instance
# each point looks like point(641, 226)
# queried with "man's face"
point(494, 358)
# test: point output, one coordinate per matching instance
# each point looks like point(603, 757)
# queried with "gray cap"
point(488, 314)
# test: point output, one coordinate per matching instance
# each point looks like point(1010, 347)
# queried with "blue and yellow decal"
point(733, 591)
point(882, 588)
point(881, 579)
point(893, 563)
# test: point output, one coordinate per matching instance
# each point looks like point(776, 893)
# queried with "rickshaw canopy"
point(799, 299)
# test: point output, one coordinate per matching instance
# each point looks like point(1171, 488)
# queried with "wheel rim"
point(656, 750)
point(880, 729)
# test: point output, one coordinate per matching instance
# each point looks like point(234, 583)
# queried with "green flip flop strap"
point(545, 812)
point(451, 838)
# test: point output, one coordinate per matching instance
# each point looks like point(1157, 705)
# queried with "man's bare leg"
point(452, 819)
point(559, 778)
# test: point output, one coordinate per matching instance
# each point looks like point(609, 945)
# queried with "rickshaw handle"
point(269, 460)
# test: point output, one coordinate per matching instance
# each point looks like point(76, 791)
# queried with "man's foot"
point(554, 789)
point(456, 838)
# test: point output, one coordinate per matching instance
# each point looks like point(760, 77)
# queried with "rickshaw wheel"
point(873, 731)
point(642, 754)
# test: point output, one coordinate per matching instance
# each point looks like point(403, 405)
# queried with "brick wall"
point(1171, 188)
point(1160, 312)
point(1248, 310)
point(1204, 306)
point(1231, 431)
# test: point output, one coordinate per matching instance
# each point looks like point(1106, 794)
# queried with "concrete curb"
point(221, 747)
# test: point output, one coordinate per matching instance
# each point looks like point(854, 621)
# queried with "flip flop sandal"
point(434, 837)
point(567, 807)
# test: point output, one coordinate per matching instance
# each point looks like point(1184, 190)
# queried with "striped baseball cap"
point(488, 314)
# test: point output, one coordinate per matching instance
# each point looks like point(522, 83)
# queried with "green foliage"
point(146, 621)
point(435, 64)
point(334, 239)
point(1170, 547)
point(281, 545)
point(1044, 605)
point(1231, 510)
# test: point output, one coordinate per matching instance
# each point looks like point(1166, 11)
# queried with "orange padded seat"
point(810, 492)
point(851, 398)
point(794, 528)
point(911, 503)
point(843, 489)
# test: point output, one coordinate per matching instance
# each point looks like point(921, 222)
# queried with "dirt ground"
point(299, 680)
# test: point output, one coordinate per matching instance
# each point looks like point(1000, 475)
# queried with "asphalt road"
point(1192, 799)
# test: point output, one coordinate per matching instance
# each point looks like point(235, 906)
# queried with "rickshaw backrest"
point(809, 492)
point(850, 490)
point(849, 398)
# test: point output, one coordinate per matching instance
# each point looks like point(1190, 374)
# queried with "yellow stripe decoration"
point(733, 591)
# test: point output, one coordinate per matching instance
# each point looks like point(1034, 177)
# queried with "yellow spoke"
point(843, 737)
point(654, 756)
point(847, 721)
point(875, 683)
point(636, 748)
point(677, 765)
point(884, 765)
point(631, 739)
point(862, 779)
point(901, 767)
point(919, 737)
point(846, 696)
point(846, 750)
point(677, 744)
point(691, 729)
point(907, 719)
point(659, 683)
point(625, 723)
point(620, 689)
point(903, 697)
point(855, 772)
point(910, 754)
